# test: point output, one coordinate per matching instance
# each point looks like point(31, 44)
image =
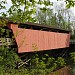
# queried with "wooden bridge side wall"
point(35, 40)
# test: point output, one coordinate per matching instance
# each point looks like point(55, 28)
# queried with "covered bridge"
point(32, 37)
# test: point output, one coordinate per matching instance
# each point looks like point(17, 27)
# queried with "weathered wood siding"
point(29, 40)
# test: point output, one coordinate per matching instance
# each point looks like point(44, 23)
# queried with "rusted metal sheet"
point(35, 40)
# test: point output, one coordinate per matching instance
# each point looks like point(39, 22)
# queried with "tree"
point(29, 9)
point(61, 17)
point(2, 6)
point(64, 16)
point(70, 3)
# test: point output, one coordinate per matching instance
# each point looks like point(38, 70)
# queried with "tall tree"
point(29, 11)
point(64, 16)
point(29, 7)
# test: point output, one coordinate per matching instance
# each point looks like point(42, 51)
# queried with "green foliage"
point(73, 35)
point(70, 3)
point(3, 22)
point(4, 33)
point(60, 62)
point(46, 64)
point(46, 16)
point(73, 56)
point(2, 6)
point(8, 59)
point(28, 11)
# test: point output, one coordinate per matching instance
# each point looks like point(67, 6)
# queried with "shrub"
point(8, 58)
point(73, 56)
point(40, 65)
point(60, 62)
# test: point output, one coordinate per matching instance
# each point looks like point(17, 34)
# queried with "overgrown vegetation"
point(39, 65)
point(73, 56)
